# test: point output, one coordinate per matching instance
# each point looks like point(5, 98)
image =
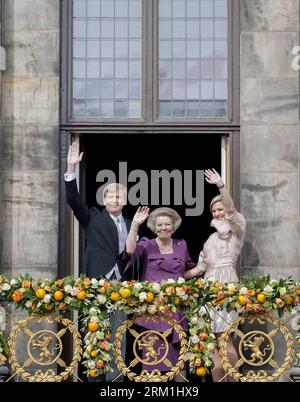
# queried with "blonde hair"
point(217, 198)
point(114, 188)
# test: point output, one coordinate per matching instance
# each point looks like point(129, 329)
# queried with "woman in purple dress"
point(161, 258)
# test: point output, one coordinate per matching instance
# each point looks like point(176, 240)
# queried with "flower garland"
point(97, 299)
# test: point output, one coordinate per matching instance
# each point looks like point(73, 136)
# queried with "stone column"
point(270, 137)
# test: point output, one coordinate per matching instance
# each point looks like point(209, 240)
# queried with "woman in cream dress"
point(217, 261)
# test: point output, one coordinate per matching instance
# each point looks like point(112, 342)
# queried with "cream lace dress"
point(218, 259)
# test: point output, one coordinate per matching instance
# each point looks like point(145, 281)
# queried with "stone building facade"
point(31, 148)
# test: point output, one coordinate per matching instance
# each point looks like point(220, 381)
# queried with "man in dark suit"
point(106, 231)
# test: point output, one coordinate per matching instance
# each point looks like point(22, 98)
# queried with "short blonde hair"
point(114, 188)
point(164, 211)
point(217, 198)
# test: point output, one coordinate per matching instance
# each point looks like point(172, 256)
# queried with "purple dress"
point(155, 268)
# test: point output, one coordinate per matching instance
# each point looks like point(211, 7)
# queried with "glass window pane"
point(121, 69)
point(134, 109)
point(207, 8)
point(178, 8)
point(178, 109)
point(192, 109)
point(93, 108)
point(165, 49)
point(107, 29)
point(93, 8)
point(192, 8)
point(193, 49)
point(207, 49)
point(165, 29)
point(178, 49)
point(220, 29)
point(193, 69)
point(79, 69)
point(79, 89)
point(107, 89)
point(207, 68)
point(79, 48)
point(178, 29)
point(93, 69)
point(207, 90)
point(207, 29)
point(134, 89)
point(220, 8)
point(121, 109)
point(192, 90)
point(134, 49)
point(121, 49)
point(93, 49)
point(193, 29)
point(134, 8)
point(107, 8)
point(93, 89)
point(121, 89)
point(220, 48)
point(121, 9)
point(79, 29)
point(165, 89)
point(165, 8)
point(135, 69)
point(79, 8)
point(93, 29)
point(221, 68)
point(178, 89)
point(107, 69)
point(107, 49)
point(221, 90)
point(79, 107)
point(107, 109)
point(135, 29)
point(165, 109)
point(179, 69)
point(121, 29)
point(165, 69)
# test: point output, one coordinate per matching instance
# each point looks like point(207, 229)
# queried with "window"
point(150, 60)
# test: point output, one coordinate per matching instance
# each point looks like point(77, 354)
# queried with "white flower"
point(68, 300)
point(194, 320)
point(138, 286)
point(94, 319)
point(210, 347)
point(68, 288)
point(75, 291)
point(202, 311)
point(28, 304)
point(94, 283)
point(201, 324)
point(156, 287)
point(171, 280)
point(195, 339)
point(152, 309)
point(5, 286)
point(268, 289)
point(243, 290)
point(101, 299)
point(180, 280)
point(142, 296)
point(101, 282)
point(125, 284)
point(273, 282)
point(91, 364)
point(47, 299)
point(93, 310)
point(231, 287)
point(282, 291)
point(13, 282)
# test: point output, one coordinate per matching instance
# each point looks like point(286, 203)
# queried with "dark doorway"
point(155, 152)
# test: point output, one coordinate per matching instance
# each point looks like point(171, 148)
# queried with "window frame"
point(150, 79)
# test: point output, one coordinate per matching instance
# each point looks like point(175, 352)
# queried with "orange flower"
point(170, 290)
point(16, 296)
point(201, 346)
point(100, 363)
point(59, 283)
point(104, 345)
point(219, 285)
point(203, 335)
point(250, 292)
point(26, 284)
point(106, 285)
point(87, 282)
point(249, 306)
point(297, 291)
